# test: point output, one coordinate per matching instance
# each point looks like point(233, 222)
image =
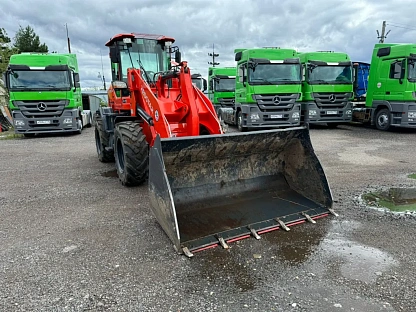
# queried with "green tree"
point(26, 40)
point(6, 50)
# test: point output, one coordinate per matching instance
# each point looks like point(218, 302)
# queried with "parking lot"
point(74, 239)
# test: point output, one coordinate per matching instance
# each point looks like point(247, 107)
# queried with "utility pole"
point(383, 33)
point(67, 37)
point(102, 69)
point(213, 55)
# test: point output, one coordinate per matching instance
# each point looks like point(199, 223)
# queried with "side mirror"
point(114, 54)
point(178, 57)
point(76, 81)
point(205, 84)
point(6, 80)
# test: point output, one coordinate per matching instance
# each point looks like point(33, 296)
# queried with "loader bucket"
point(211, 190)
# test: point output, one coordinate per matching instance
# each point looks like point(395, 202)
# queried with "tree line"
point(25, 40)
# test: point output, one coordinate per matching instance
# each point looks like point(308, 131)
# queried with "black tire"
point(102, 141)
point(131, 153)
point(90, 123)
point(29, 135)
point(240, 122)
point(382, 120)
point(332, 125)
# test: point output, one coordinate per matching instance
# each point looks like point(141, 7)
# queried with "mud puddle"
point(394, 199)
point(110, 174)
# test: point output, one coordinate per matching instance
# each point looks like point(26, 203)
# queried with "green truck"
point(45, 93)
point(267, 89)
point(391, 95)
point(221, 86)
point(327, 88)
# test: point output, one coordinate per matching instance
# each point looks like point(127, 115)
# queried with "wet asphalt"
point(72, 238)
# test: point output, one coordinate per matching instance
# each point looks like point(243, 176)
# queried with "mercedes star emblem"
point(42, 106)
point(332, 98)
point(276, 100)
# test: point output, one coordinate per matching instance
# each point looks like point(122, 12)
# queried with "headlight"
point(295, 115)
point(411, 114)
point(348, 112)
point(255, 116)
point(67, 120)
point(19, 122)
point(312, 112)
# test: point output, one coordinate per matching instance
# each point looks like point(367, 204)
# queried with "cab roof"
point(138, 36)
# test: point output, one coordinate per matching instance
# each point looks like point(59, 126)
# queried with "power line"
point(400, 24)
point(411, 28)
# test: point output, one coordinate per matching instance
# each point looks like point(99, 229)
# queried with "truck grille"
point(34, 109)
point(226, 102)
point(331, 100)
point(275, 102)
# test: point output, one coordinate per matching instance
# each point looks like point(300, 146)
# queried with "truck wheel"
point(131, 153)
point(101, 142)
point(89, 125)
point(383, 119)
point(240, 122)
point(332, 125)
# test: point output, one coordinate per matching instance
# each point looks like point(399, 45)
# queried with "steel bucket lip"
point(245, 234)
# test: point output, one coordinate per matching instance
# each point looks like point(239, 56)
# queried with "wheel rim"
point(240, 121)
point(383, 120)
point(98, 142)
point(120, 156)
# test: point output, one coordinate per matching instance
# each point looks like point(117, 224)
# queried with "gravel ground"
point(73, 239)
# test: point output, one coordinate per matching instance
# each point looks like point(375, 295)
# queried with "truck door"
point(395, 84)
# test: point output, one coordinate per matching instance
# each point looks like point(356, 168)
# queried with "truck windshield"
point(411, 70)
point(274, 74)
point(147, 52)
point(40, 80)
point(326, 74)
point(224, 85)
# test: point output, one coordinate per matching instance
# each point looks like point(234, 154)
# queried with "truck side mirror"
point(205, 84)
point(6, 80)
point(178, 57)
point(114, 55)
point(76, 81)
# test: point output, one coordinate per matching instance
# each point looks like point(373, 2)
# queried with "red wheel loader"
point(206, 188)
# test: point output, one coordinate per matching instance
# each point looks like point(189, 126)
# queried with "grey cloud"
point(342, 25)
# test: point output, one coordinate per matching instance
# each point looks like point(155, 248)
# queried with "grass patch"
point(398, 200)
point(412, 176)
point(10, 135)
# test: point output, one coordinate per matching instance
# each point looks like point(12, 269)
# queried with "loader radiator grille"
point(273, 102)
point(333, 100)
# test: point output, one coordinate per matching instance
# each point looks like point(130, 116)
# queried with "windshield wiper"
point(20, 87)
point(319, 81)
point(264, 80)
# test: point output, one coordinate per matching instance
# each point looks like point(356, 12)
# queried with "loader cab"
point(150, 53)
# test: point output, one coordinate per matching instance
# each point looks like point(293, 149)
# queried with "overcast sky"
point(337, 25)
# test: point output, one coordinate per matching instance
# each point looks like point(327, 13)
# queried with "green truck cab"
point(45, 93)
point(267, 89)
point(327, 87)
point(221, 86)
point(391, 95)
